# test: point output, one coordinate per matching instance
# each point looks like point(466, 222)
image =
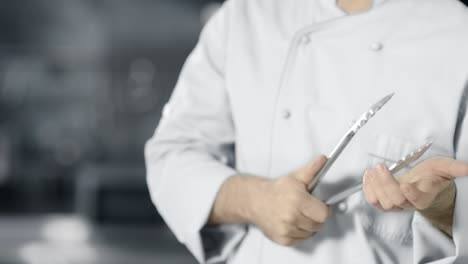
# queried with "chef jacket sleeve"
point(430, 245)
point(191, 152)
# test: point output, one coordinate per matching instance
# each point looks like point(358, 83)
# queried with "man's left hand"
point(427, 188)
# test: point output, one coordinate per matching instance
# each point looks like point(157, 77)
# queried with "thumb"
point(307, 173)
point(457, 168)
point(419, 199)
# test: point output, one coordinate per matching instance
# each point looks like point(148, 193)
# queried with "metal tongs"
point(394, 168)
point(347, 138)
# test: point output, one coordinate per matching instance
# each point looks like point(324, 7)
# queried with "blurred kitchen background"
point(82, 85)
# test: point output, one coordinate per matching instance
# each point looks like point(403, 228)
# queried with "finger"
point(308, 172)
point(457, 168)
point(297, 233)
point(369, 192)
point(288, 241)
point(447, 167)
point(379, 191)
point(399, 209)
point(432, 185)
point(419, 199)
point(391, 188)
point(308, 225)
point(315, 210)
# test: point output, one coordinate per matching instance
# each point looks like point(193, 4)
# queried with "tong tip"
point(428, 144)
point(424, 148)
point(388, 97)
point(382, 102)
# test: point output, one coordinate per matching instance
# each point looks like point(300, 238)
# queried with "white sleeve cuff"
point(185, 203)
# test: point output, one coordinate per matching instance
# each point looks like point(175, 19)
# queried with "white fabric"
point(282, 80)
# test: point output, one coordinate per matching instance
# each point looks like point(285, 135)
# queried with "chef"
point(272, 86)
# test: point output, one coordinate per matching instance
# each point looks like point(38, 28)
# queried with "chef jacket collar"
point(337, 12)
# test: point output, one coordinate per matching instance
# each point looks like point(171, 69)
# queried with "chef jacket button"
point(306, 39)
point(342, 207)
point(376, 46)
point(286, 114)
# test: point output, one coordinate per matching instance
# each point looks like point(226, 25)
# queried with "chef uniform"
point(273, 83)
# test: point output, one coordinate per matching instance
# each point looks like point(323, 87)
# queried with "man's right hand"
point(284, 209)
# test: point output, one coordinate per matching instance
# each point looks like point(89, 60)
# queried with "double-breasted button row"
point(374, 46)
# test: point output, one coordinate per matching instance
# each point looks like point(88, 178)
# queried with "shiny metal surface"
point(394, 168)
point(347, 138)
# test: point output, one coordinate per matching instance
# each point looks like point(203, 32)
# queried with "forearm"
point(236, 200)
point(440, 214)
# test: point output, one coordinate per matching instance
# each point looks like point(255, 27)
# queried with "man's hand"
point(427, 188)
point(282, 208)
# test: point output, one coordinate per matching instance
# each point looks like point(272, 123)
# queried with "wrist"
point(238, 200)
point(253, 198)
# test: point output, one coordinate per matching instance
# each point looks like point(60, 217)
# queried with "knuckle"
point(289, 218)
point(400, 201)
point(291, 214)
point(414, 198)
point(322, 216)
point(419, 206)
point(285, 241)
point(375, 203)
point(387, 179)
point(296, 200)
point(320, 220)
point(372, 201)
point(284, 231)
point(387, 207)
point(316, 227)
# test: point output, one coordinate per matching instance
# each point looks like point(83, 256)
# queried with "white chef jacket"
point(273, 83)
